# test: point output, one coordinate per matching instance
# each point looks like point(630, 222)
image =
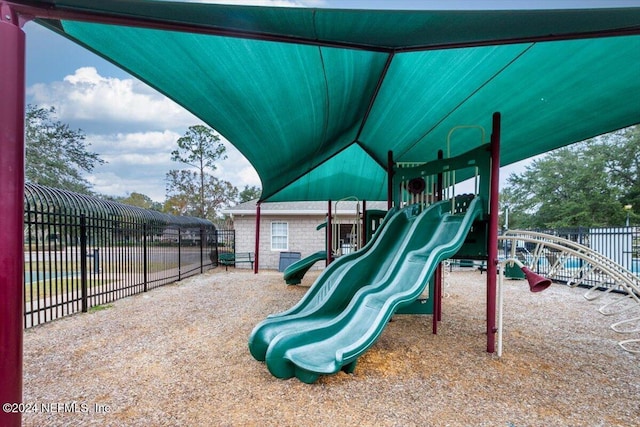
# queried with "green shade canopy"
point(315, 98)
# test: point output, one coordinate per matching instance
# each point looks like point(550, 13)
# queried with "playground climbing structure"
point(397, 272)
point(568, 262)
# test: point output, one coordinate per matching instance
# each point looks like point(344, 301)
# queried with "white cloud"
point(90, 99)
point(237, 170)
point(131, 127)
point(135, 142)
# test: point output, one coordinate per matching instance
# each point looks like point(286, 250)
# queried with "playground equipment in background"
point(346, 229)
point(294, 273)
point(346, 309)
point(359, 227)
point(598, 273)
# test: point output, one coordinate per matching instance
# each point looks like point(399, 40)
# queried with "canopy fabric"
point(315, 98)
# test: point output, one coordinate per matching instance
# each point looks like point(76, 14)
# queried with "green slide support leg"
point(349, 368)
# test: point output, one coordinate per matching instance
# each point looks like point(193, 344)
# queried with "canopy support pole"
point(12, 88)
point(363, 232)
point(492, 239)
point(437, 282)
point(257, 247)
point(329, 234)
point(389, 180)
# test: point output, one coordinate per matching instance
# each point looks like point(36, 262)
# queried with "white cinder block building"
point(287, 227)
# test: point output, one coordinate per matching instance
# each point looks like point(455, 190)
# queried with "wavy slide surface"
point(346, 310)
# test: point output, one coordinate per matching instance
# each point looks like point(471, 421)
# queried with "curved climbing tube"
point(595, 271)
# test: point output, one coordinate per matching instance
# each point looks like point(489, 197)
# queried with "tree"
point(196, 191)
point(623, 162)
point(587, 184)
point(136, 199)
point(56, 155)
point(185, 184)
point(249, 193)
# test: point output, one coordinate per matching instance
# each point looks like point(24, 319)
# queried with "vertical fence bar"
point(96, 261)
point(48, 274)
point(179, 252)
point(201, 249)
point(142, 262)
point(145, 257)
point(29, 284)
point(83, 262)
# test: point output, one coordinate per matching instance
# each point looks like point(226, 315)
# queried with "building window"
point(279, 236)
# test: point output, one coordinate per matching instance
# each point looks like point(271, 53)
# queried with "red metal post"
point(492, 239)
point(437, 283)
point(12, 55)
point(363, 229)
point(389, 180)
point(257, 247)
point(329, 234)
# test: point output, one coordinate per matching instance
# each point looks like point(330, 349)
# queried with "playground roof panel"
point(314, 98)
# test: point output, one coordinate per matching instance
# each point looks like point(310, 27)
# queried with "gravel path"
point(177, 356)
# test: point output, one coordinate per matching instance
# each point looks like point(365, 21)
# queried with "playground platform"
point(178, 355)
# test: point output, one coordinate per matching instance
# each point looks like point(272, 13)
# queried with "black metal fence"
point(81, 252)
point(226, 241)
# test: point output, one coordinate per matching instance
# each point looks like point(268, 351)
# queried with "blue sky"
point(134, 128)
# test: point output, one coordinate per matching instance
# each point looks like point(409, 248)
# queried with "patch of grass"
point(57, 286)
point(99, 308)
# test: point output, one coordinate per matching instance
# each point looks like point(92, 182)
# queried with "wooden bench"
point(229, 258)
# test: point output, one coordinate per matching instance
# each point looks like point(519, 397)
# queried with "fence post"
point(179, 253)
point(83, 262)
point(144, 256)
point(201, 249)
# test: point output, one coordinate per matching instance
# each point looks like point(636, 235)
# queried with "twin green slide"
point(346, 309)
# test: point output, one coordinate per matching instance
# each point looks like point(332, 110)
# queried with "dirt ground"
point(178, 356)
